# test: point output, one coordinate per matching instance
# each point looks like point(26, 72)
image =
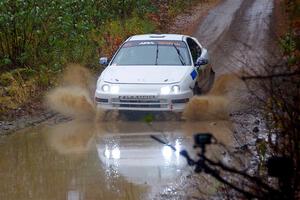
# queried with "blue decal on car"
point(193, 74)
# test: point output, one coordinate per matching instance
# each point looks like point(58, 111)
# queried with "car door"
point(203, 70)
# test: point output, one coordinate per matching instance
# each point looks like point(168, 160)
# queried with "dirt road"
point(238, 34)
point(84, 160)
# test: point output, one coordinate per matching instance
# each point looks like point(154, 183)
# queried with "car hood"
point(145, 74)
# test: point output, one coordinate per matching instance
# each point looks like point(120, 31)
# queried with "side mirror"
point(103, 61)
point(203, 59)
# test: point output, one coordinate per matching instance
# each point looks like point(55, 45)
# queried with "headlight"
point(105, 88)
point(115, 153)
point(107, 153)
point(167, 152)
point(110, 88)
point(165, 90)
point(114, 89)
point(175, 89)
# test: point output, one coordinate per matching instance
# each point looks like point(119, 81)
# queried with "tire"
point(207, 87)
point(211, 79)
point(197, 90)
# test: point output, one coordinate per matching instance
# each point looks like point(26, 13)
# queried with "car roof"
point(173, 37)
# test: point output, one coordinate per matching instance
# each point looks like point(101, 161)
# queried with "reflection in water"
point(76, 160)
point(72, 137)
point(74, 195)
point(140, 159)
point(31, 169)
point(126, 152)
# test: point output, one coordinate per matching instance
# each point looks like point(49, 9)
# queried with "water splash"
point(225, 97)
point(73, 97)
point(76, 75)
point(71, 101)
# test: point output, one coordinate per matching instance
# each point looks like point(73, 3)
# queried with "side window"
point(194, 48)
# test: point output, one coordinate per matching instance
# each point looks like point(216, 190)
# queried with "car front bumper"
point(143, 101)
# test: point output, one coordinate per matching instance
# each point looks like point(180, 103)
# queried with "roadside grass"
point(39, 39)
point(21, 86)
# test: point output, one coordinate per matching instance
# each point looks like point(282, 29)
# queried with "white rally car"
point(154, 72)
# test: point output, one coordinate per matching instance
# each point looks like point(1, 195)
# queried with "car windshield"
point(152, 53)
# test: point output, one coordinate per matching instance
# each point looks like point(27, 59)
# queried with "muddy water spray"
point(76, 75)
point(71, 101)
point(224, 98)
point(74, 97)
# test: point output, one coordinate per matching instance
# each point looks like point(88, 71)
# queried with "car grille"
point(140, 103)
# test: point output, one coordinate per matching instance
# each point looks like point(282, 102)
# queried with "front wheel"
point(205, 88)
point(196, 89)
point(211, 79)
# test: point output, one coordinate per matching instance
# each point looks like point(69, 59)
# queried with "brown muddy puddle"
point(81, 160)
point(95, 157)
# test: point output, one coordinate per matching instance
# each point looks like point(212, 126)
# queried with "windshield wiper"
point(179, 55)
point(156, 54)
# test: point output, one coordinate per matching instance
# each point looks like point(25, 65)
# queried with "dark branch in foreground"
point(256, 188)
point(279, 75)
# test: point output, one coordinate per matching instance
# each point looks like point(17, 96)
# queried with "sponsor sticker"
point(154, 42)
point(136, 97)
point(193, 74)
point(146, 43)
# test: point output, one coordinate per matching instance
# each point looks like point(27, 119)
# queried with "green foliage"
point(38, 38)
point(114, 32)
point(6, 79)
point(24, 74)
point(288, 43)
point(53, 33)
point(148, 118)
point(290, 46)
point(177, 6)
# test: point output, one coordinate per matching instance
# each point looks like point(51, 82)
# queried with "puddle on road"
point(82, 160)
point(89, 158)
point(30, 168)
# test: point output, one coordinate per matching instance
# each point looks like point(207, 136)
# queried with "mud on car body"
point(154, 72)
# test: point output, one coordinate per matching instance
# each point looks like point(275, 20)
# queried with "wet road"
point(238, 35)
point(82, 160)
